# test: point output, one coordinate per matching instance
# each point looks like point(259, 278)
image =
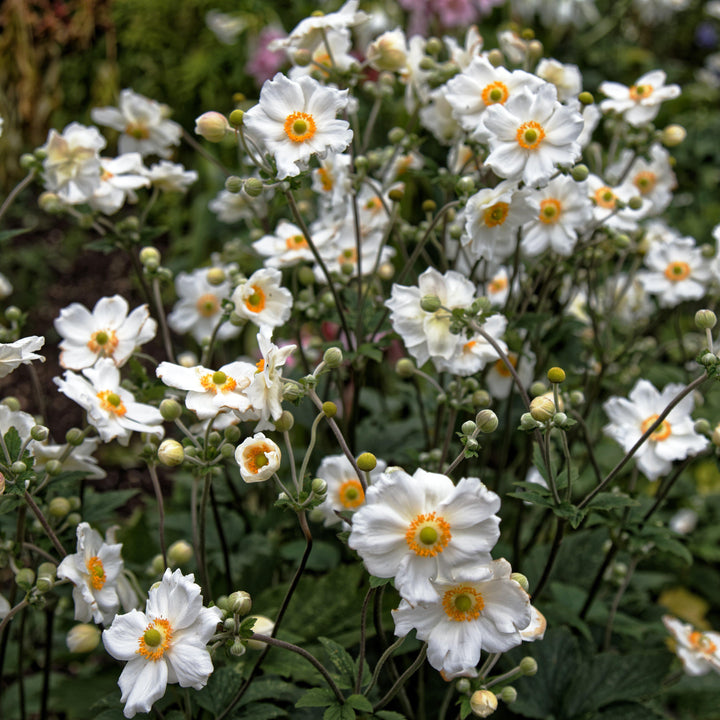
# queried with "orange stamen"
point(97, 572)
point(661, 432)
point(530, 134)
point(463, 603)
point(428, 535)
point(300, 126)
point(351, 494)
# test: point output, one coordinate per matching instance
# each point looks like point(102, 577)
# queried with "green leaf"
point(359, 702)
point(533, 497)
point(465, 707)
point(13, 443)
point(340, 660)
point(220, 690)
point(371, 351)
point(317, 697)
point(627, 711)
point(260, 711)
point(339, 712)
point(571, 513)
point(389, 715)
point(378, 581)
point(8, 234)
point(610, 501)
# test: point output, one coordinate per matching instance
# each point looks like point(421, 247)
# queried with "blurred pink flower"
point(264, 63)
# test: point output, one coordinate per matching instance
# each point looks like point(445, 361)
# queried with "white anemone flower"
point(566, 78)
point(295, 120)
point(106, 332)
point(94, 571)
point(199, 307)
point(171, 177)
point(165, 644)
point(143, 123)
point(639, 104)
point(605, 200)
point(233, 207)
point(71, 167)
point(286, 247)
point(425, 334)
point(475, 352)
point(699, 651)
point(258, 458)
point(80, 459)
point(210, 392)
point(111, 409)
point(499, 380)
point(674, 439)
point(119, 178)
point(20, 352)
point(418, 528)
point(677, 272)
point(531, 135)
point(482, 610)
point(262, 300)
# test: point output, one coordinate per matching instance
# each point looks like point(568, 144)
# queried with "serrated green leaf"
point(339, 712)
point(340, 659)
point(389, 715)
point(378, 582)
point(359, 702)
point(571, 513)
point(371, 351)
point(260, 711)
point(465, 708)
point(9, 234)
point(13, 443)
point(317, 697)
point(533, 497)
point(610, 501)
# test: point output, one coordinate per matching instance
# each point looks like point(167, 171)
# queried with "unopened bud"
point(49, 202)
point(405, 368)
point(468, 427)
point(705, 319)
point(333, 357)
point(238, 648)
point(213, 126)
point(487, 421)
point(329, 409)
point(18, 467)
point(483, 703)
point(465, 185)
point(396, 194)
point(170, 409)
point(179, 553)
point(171, 453)
point(216, 276)
point(239, 602)
point(673, 135)
point(254, 187)
point(39, 433)
point(495, 57)
point(263, 626)
point(11, 403)
point(559, 419)
point(580, 173)
point(150, 258)
point(319, 486)
point(521, 580)
point(635, 202)
point(234, 184)
point(430, 303)
point(25, 578)
point(542, 408)
point(508, 694)
point(285, 421)
point(59, 507)
point(715, 437)
point(556, 375)
point(367, 462)
point(481, 399)
point(83, 638)
point(236, 118)
point(528, 666)
point(528, 422)
point(74, 437)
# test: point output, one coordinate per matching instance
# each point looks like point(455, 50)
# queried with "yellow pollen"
point(605, 197)
point(260, 365)
point(137, 130)
point(110, 402)
point(347, 256)
point(497, 284)
point(96, 571)
point(374, 203)
point(156, 639)
point(495, 92)
point(106, 175)
point(550, 211)
point(463, 603)
point(219, 381)
point(501, 367)
point(496, 215)
point(661, 432)
point(351, 494)
point(645, 181)
point(207, 305)
point(254, 456)
point(677, 271)
point(326, 179)
point(103, 343)
point(255, 302)
point(640, 92)
point(530, 134)
point(296, 242)
point(702, 643)
point(428, 535)
point(468, 346)
point(299, 126)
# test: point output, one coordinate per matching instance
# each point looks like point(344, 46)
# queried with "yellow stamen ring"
point(661, 432)
point(110, 402)
point(351, 494)
point(254, 456)
point(208, 305)
point(156, 639)
point(550, 211)
point(97, 572)
point(296, 242)
point(496, 215)
point(256, 302)
point(530, 134)
point(677, 271)
point(494, 93)
point(645, 181)
point(605, 197)
point(463, 603)
point(300, 126)
point(640, 92)
point(428, 535)
point(702, 643)
point(218, 381)
point(103, 343)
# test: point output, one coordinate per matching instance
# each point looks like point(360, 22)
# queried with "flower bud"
point(185, 359)
point(715, 437)
point(263, 626)
point(487, 421)
point(213, 126)
point(430, 303)
point(635, 202)
point(12, 403)
point(333, 357)
point(254, 187)
point(702, 427)
point(18, 467)
point(171, 453)
point(239, 602)
point(508, 694)
point(74, 519)
point(367, 462)
point(559, 419)
point(483, 703)
point(74, 437)
point(319, 486)
point(538, 388)
point(468, 427)
point(46, 577)
point(59, 507)
point(236, 118)
point(83, 638)
point(49, 202)
point(25, 579)
point(521, 580)
point(150, 258)
point(285, 422)
point(577, 397)
point(238, 648)
point(157, 565)
point(387, 52)
point(53, 467)
point(556, 375)
point(705, 319)
point(580, 172)
point(481, 399)
point(216, 276)
point(586, 98)
point(528, 422)
point(396, 135)
point(179, 553)
point(170, 409)
point(39, 433)
point(233, 184)
point(495, 57)
point(396, 194)
point(329, 409)
point(405, 368)
point(673, 135)
point(528, 666)
point(542, 408)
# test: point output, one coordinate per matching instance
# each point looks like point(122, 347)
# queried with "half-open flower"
point(258, 458)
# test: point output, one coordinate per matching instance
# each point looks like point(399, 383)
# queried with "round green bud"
point(214, 439)
point(528, 666)
point(238, 648)
point(508, 694)
point(468, 427)
point(483, 703)
point(487, 421)
point(75, 502)
point(535, 49)
point(234, 184)
point(635, 202)
point(74, 519)
point(302, 57)
point(556, 375)
point(427, 64)
point(586, 98)
point(306, 276)
point(285, 422)
point(521, 580)
point(708, 360)
point(74, 437)
point(239, 602)
point(707, 250)
point(171, 453)
point(333, 357)
point(25, 579)
point(702, 426)
point(18, 467)
point(472, 444)
point(396, 135)
point(11, 403)
point(434, 46)
point(577, 397)
point(229, 623)
point(236, 118)
point(27, 161)
point(429, 206)
point(430, 303)
point(481, 399)
point(39, 433)
point(45, 583)
point(366, 462)
point(495, 57)
point(13, 313)
point(396, 194)
point(465, 185)
point(157, 565)
point(542, 408)
point(59, 507)
point(227, 451)
point(53, 467)
point(538, 388)
point(463, 686)
point(580, 172)
point(705, 319)
point(329, 409)
point(216, 276)
point(673, 135)
point(361, 164)
point(528, 422)
point(254, 187)
point(180, 552)
point(49, 202)
point(170, 409)
point(319, 486)
point(150, 258)
point(232, 433)
point(405, 368)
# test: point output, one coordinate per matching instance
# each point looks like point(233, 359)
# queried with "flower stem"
point(402, 679)
point(161, 510)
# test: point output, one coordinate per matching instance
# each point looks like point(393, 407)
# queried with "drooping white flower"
point(263, 300)
point(566, 78)
point(80, 459)
point(210, 392)
point(106, 332)
point(119, 178)
point(699, 651)
point(165, 644)
point(287, 246)
point(94, 570)
point(483, 609)
point(143, 123)
point(171, 177)
point(258, 457)
point(199, 307)
point(72, 164)
point(344, 491)
point(423, 527)
point(331, 182)
point(295, 120)
point(20, 352)
point(674, 439)
point(640, 103)
point(531, 135)
point(233, 207)
point(111, 409)
point(677, 272)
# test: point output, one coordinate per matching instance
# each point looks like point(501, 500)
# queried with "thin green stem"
point(161, 510)
point(164, 330)
point(45, 525)
point(16, 191)
point(363, 632)
point(402, 679)
point(383, 659)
